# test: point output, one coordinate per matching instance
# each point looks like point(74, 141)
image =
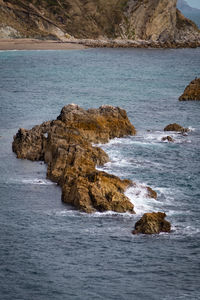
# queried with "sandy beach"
point(34, 44)
point(80, 44)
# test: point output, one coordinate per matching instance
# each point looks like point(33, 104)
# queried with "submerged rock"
point(192, 91)
point(151, 193)
point(65, 145)
point(175, 127)
point(152, 223)
point(168, 138)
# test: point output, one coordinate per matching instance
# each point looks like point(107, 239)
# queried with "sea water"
point(50, 251)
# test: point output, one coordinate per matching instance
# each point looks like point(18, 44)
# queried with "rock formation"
point(128, 20)
point(192, 91)
point(65, 145)
point(168, 138)
point(152, 19)
point(152, 223)
point(176, 127)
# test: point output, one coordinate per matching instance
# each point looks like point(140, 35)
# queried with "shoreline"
point(81, 44)
point(34, 44)
point(140, 44)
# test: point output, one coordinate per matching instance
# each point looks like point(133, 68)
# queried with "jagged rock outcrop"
point(97, 125)
point(176, 127)
point(152, 223)
point(65, 145)
point(130, 20)
point(192, 91)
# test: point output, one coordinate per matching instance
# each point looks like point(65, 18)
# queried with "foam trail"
point(191, 128)
point(37, 181)
point(138, 195)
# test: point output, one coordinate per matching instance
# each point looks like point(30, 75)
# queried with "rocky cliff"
point(154, 20)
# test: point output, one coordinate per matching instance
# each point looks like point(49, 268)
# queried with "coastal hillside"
point(155, 20)
point(188, 11)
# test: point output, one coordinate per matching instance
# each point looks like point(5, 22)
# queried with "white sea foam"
point(138, 195)
point(143, 138)
point(76, 213)
point(66, 212)
point(191, 128)
point(167, 192)
point(37, 181)
point(111, 213)
point(117, 162)
point(123, 165)
point(180, 231)
point(155, 137)
point(191, 230)
point(117, 141)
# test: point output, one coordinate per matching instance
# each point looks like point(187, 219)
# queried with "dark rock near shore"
point(176, 127)
point(65, 145)
point(192, 91)
point(152, 223)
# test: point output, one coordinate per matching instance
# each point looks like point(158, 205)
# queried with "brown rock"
point(65, 145)
point(152, 223)
point(97, 191)
point(168, 138)
point(192, 91)
point(151, 193)
point(97, 125)
point(175, 127)
point(28, 144)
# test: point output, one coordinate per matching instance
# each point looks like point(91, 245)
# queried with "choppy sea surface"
point(50, 251)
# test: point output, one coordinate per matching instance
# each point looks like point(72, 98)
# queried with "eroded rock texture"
point(152, 223)
point(65, 145)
